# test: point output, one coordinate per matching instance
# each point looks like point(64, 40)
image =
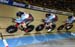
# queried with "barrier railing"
point(4, 41)
point(12, 3)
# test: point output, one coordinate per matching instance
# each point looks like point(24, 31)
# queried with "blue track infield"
point(15, 42)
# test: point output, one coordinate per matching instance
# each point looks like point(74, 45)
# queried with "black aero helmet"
point(69, 17)
point(19, 13)
point(48, 14)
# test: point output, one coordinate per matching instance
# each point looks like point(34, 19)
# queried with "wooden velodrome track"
point(8, 12)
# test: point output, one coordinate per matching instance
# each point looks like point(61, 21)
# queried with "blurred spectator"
point(53, 4)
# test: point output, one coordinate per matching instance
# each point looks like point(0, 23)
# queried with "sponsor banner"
point(67, 13)
point(18, 4)
point(12, 3)
point(35, 7)
point(4, 1)
point(49, 10)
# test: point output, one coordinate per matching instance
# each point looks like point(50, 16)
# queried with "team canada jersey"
point(22, 18)
point(50, 18)
point(70, 20)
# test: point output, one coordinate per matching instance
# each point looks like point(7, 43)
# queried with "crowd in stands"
point(68, 5)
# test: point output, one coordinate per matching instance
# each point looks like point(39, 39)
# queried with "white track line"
point(5, 43)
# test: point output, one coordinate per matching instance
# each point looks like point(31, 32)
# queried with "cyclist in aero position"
point(70, 20)
point(68, 23)
point(50, 20)
point(23, 19)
